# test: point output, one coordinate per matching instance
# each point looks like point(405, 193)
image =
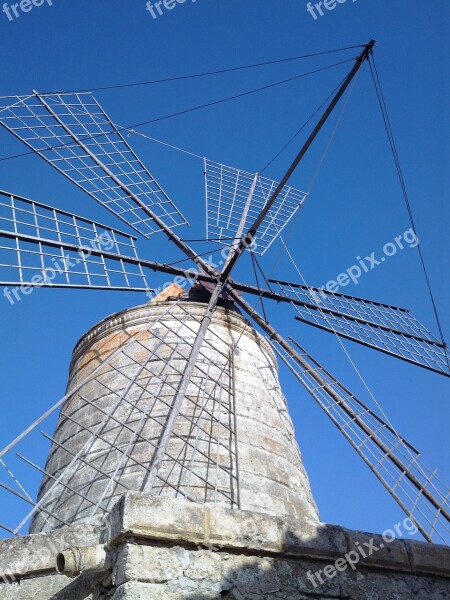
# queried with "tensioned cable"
point(285, 248)
point(333, 133)
point(354, 366)
point(301, 128)
point(187, 110)
point(209, 73)
point(210, 252)
point(258, 286)
point(291, 227)
point(271, 161)
point(393, 145)
point(172, 146)
point(262, 273)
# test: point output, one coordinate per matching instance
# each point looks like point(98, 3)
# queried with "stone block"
point(151, 591)
point(53, 587)
point(157, 518)
point(202, 565)
point(148, 564)
point(244, 529)
point(372, 549)
point(37, 553)
point(307, 538)
point(429, 558)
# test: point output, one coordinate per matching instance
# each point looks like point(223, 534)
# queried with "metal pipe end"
point(74, 561)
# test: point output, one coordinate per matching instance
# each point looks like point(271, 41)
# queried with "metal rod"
point(28, 501)
point(357, 400)
point(20, 437)
point(357, 448)
point(176, 239)
point(248, 238)
point(83, 460)
point(235, 423)
point(179, 397)
point(385, 351)
point(44, 472)
point(154, 266)
point(323, 291)
point(245, 213)
point(64, 212)
point(274, 335)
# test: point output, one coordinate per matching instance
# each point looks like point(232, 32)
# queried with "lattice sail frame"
point(389, 456)
point(73, 134)
point(135, 409)
point(235, 198)
point(386, 328)
point(45, 246)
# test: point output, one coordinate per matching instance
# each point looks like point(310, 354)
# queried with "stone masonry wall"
point(257, 449)
point(166, 549)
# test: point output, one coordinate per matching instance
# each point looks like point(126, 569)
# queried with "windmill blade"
point(44, 246)
point(74, 135)
point(385, 328)
point(234, 200)
point(395, 462)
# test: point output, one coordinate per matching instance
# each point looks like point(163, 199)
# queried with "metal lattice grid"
point(385, 328)
point(44, 246)
point(391, 458)
point(234, 200)
point(74, 135)
point(131, 392)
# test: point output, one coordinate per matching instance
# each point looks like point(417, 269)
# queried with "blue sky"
point(354, 208)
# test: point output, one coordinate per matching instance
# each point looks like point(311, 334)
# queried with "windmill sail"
point(386, 328)
point(235, 198)
point(74, 135)
point(395, 462)
point(44, 246)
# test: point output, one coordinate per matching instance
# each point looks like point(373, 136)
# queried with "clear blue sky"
point(355, 206)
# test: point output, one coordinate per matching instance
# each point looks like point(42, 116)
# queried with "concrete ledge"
point(175, 522)
point(428, 558)
point(175, 550)
point(34, 554)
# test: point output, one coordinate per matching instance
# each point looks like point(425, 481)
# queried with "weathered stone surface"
point(254, 421)
point(53, 587)
point(312, 539)
point(158, 518)
point(243, 529)
point(374, 549)
point(148, 591)
point(36, 553)
point(429, 558)
point(172, 550)
point(150, 564)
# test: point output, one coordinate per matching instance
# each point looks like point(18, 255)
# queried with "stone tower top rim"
point(139, 314)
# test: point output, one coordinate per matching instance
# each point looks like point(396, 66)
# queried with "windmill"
point(244, 212)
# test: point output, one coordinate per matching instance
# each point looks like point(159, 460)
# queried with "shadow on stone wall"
point(266, 577)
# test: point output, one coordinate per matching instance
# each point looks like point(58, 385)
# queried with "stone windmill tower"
point(232, 443)
point(173, 471)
